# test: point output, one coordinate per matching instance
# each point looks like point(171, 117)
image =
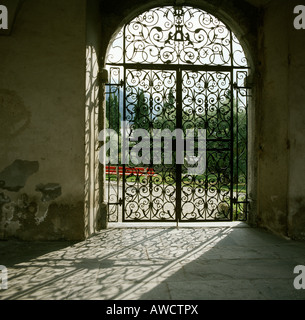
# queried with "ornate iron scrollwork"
point(179, 66)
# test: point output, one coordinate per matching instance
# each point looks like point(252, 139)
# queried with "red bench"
point(130, 171)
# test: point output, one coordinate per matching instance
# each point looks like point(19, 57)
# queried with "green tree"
point(141, 117)
point(113, 113)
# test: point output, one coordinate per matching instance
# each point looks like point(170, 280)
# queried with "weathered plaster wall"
point(281, 116)
point(296, 131)
point(93, 187)
point(272, 119)
point(42, 98)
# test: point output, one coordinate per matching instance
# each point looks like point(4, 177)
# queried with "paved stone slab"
point(157, 263)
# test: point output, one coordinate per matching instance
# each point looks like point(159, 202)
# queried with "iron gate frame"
point(237, 85)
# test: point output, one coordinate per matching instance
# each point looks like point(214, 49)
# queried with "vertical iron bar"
point(237, 152)
point(247, 155)
point(108, 89)
point(232, 127)
point(124, 129)
point(178, 126)
point(118, 155)
point(151, 209)
point(206, 182)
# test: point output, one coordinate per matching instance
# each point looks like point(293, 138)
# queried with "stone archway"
point(238, 85)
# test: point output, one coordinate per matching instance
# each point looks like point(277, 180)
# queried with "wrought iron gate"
point(178, 68)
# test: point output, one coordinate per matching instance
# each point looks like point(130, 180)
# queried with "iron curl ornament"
point(177, 35)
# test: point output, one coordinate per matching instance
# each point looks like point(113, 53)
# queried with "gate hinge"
point(120, 203)
point(235, 201)
point(247, 83)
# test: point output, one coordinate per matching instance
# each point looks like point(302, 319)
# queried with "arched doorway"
point(177, 69)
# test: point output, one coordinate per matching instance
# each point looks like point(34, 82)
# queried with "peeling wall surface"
point(42, 96)
point(50, 98)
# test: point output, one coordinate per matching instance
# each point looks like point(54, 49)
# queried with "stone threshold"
point(229, 224)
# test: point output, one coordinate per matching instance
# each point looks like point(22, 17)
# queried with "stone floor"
point(224, 262)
